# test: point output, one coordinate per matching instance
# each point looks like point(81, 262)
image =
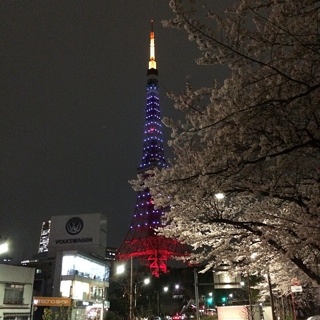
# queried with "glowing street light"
point(219, 196)
point(121, 269)
point(4, 247)
point(145, 281)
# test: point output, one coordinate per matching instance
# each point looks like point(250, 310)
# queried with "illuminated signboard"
point(52, 301)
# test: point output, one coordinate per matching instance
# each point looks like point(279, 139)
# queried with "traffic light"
point(210, 300)
point(224, 299)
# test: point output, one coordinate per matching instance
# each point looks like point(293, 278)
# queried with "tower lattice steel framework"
point(141, 241)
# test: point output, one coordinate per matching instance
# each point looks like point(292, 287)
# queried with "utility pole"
point(196, 292)
point(131, 293)
point(271, 295)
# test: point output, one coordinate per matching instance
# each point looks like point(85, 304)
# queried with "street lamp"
point(145, 281)
point(165, 289)
point(219, 196)
point(120, 269)
point(4, 247)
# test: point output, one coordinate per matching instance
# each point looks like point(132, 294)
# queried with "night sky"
point(73, 80)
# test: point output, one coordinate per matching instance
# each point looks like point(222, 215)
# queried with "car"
point(317, 317)
point(211, 312)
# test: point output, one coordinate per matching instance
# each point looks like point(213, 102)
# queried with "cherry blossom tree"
point(255, 138)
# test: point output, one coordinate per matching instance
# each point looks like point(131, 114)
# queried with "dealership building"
point(71, 266)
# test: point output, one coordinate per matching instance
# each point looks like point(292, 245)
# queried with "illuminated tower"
point(141, 241)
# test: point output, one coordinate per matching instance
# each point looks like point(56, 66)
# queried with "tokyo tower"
point(142, 241)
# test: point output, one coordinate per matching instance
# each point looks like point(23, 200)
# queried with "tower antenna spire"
point(152, 60)
point(142, 241)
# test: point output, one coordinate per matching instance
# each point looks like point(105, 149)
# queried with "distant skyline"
point(73, 90)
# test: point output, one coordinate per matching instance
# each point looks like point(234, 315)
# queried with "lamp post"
point(130, 298)
point(104, 295)
point(165, 289)
point(196, 292)
point(271, 295)
point(121, 269)
point(145, 281)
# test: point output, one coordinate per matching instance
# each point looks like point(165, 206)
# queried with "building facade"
point(16, 285)
point(71, 267)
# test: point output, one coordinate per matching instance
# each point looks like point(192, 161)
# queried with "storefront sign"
point(76, 240)
point(11, 315)
point(81, 303)
point(296, 288)
point(52, 301)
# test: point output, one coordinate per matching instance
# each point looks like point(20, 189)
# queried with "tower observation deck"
point(142, 241)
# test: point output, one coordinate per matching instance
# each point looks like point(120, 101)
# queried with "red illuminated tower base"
point(141, 241)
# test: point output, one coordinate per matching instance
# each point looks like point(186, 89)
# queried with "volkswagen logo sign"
point(74, 226)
